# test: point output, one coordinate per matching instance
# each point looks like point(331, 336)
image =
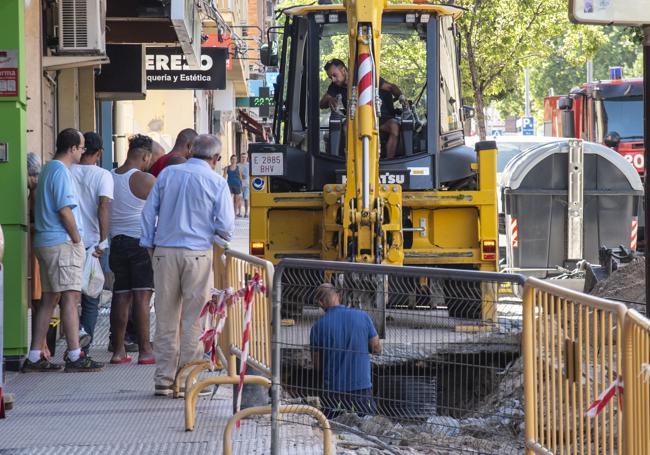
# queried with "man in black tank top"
point(338, 73)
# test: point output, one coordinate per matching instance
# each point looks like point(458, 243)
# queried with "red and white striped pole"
point(364, 65)
point(366, 95)
point(514, 232)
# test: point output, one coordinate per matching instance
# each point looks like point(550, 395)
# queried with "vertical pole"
point(276, 356)
point(530, 404)
point(2, 250)
point(121, 144)
point(575, 208)
point(646, 129)
point(106, 131)
point(590, 71)
point(527, 92)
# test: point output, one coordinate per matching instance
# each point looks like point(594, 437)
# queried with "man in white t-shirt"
point(95, 189)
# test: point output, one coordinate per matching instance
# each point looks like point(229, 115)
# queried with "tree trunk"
point(480, 114)
point(477, 87)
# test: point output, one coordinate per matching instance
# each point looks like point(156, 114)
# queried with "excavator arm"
point(371, 212)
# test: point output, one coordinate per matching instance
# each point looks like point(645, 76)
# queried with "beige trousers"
point(182, 279)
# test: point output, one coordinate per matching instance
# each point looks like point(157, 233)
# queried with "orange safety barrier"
point(636, 373)
point(234, 270)
point(572, 348)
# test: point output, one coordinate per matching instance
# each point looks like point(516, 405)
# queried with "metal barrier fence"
point(572, 354)
point(636, 372)
point(240, 268)
point(234, 270)
point(449, 374)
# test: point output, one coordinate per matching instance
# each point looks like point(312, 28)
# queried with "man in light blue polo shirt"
point(61, 254)
point(188, 209)
point(341, 342)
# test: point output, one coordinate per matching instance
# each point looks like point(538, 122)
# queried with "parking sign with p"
point(528, 126)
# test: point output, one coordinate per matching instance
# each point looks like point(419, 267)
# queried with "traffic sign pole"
point(646, 141)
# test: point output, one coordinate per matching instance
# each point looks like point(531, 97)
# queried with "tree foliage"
point(498, 40)
point(566, 66)
point(502, 37)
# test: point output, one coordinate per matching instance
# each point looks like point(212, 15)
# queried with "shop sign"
point(167, 69)
point(8, 72)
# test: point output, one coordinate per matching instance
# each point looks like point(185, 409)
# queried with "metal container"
point(564, 200)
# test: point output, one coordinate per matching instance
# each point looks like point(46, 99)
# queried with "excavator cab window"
point(403, 68)
point(418, 59)
point(450, 103)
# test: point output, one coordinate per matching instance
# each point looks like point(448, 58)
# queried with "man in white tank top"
point(130, 262)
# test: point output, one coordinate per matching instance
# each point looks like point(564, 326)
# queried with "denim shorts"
point(130, 264)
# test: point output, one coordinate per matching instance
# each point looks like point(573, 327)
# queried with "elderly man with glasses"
point(188, 210)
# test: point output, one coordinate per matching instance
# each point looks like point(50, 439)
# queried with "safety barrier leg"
point(176, 387)
point(191, 395)
point(291, 409)
point(529, 369)
point(193, 375)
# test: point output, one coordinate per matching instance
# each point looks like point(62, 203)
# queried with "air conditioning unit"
point(81, 27)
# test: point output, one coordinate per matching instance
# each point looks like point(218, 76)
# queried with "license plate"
point(267, 163)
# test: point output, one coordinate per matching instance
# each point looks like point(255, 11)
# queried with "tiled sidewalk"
point(115, 411)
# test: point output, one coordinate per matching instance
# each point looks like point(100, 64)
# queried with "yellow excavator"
point(327, 188)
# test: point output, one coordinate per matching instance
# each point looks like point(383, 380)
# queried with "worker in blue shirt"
point(341, 342)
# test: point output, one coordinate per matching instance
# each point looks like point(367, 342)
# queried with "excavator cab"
point(419, 56)
point(337, 185)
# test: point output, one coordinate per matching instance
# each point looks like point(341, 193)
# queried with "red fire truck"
point(608, 112)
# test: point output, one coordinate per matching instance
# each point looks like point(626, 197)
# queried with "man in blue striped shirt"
point(188, 209)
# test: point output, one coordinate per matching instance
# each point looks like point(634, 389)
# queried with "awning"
point(51, 63)
point(252, 125)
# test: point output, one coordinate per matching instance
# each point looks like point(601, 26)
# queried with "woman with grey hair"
point(33, 171)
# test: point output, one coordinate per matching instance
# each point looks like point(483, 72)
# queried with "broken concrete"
point(627, 284)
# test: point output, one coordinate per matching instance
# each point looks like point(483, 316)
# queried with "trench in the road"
point(450, 384)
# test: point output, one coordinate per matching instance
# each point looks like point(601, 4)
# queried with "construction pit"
point(435, 384)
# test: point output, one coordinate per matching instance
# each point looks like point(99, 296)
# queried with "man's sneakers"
point(84, 364)
point(207, 391)
point(43, 365)
point(203, 393)
point(163, 390)
point(81, 365)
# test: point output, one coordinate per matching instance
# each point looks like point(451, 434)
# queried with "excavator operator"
point(337, 72)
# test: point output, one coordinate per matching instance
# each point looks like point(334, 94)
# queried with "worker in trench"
point(338, 73)
point(341, 342)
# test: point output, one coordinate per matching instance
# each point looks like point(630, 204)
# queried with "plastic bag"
point(93, 276)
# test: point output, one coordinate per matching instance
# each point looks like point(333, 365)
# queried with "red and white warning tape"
point(616, 388)
point(253, 286)
point(216, 312)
